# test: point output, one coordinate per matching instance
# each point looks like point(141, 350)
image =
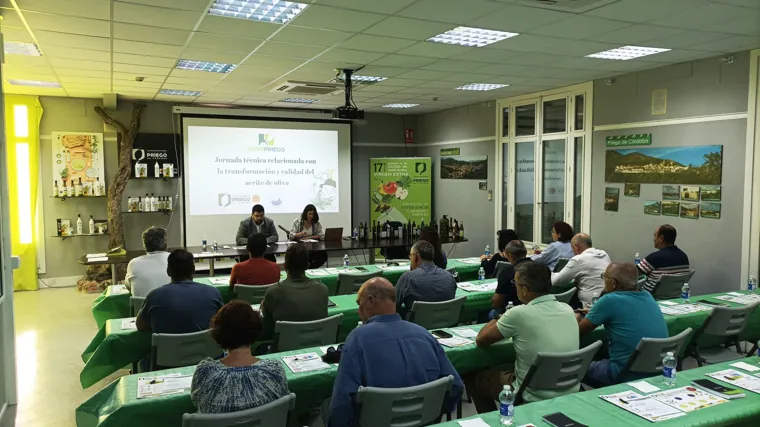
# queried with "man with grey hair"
point(585, 268)
point(148, 272)
point(628, 315)
point(516, 253)
point(425, 281)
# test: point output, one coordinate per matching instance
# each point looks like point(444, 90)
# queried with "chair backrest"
point(403, 407)
point(252, 294)
point(434, 315)
point(272, 414)
point(561, 263)
point(553, 371)
point(647, 358)
point(668, 286)
point(500, 266)
point(349, 283)
point(176, 350)
point(296, 335)
point(727, 321)
point(453, 271)
point(566, 296)
point(135, 304)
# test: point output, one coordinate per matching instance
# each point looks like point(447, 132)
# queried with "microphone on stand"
point(287, 232)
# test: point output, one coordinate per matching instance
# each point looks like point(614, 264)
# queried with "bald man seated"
point(585, 268)
point(628, 315)
point(385, 352)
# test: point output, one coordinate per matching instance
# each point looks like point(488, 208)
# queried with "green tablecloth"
point(588, 408)
point(109, 306)
point(113, 348)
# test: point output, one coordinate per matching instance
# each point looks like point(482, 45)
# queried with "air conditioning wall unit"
point(295, 87)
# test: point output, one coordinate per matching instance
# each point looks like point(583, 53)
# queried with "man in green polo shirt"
point(541, 324)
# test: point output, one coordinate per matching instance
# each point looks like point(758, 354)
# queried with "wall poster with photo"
point(670, 208)
point(690, 193)
point(611, 199)
point(711, 193)
point(671, 192)
point(464, 167)
point(690, 210)
point(632, 190)
point(652, 207)
point(78, 156)
point(709, 210)
point(702, 164)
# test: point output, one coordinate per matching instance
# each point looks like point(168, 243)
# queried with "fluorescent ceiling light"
point(627, 52)
point(299, 100)
point(274, 11)
point(400, 105)
point(359, 78)
point(212, 67)
point(180, 92)
point(21, 48)
point(473, 37)
point(36, 83)
point(481, 86)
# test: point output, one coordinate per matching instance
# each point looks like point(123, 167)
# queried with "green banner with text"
point(624, 140)
point(400, 189)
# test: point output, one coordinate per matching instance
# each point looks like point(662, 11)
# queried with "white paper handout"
point(97, 259)
point(455, 341)
point(162, 385)
point(203, 255)
point(738, 379)
point(478, 287)
point(402, 267)
point(643, 386)
point(744, 299)
point(645, 407)
point(306, 362)
point(469, 260)
point(99, 255)
point(477, 422)
point(309, 240)
point(672, 311)
point(746, 366)
point(667, 302)
point(317, 272)
point(465, 332)
point(220, 280)
point(332, 270)
point(688, 398)
point(128, 324)
point(119, 290)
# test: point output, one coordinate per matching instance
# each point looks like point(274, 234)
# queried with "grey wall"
point(700, 88)
point(469, 121)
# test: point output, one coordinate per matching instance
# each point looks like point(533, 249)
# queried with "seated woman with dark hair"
point(429, 234)
point(562, 233)
point(489, 262)
point(239, 380)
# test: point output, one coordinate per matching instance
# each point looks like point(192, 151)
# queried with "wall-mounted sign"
point(450, 151)
point(156, 155)
point(409, 136)
point(625, 140)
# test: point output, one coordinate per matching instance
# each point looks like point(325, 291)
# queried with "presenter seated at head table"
point(429, 234)
point(238, 381)
point(182, 306)
point(628, 315)
point(148, 272)
point(256, 270)
point(307, 225)
point(257, 223)
point(489, 262)
point(297, 298)
point(541, 323)
point(506, 291)
point(669, 259)
point(562, 232)
point(585, 268)
point(385, 352)
point(425, 281)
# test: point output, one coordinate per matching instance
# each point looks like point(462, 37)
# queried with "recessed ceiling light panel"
point(481, 86)
point(360, 78)
point(180, 92)
point(627, 52)
point(21, 48)
point(274, 11)
point(212, 67)
point(400, 105)
point(35, 83)
point(299, 100)
point(473, 37)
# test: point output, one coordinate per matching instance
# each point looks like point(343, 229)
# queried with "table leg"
point(211, 267)
point(113, 274)
point(372, 256)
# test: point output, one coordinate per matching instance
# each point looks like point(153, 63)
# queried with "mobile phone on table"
point(441, 334)
point(719, 304)
point(361, 268)
point(558, 419)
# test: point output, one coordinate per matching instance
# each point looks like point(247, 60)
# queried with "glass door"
point(553, 184)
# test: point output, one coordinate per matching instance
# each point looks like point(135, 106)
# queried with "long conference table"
point(117, 405)
point(113, 303)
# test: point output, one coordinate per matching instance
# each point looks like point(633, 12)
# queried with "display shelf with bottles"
point(64, 237)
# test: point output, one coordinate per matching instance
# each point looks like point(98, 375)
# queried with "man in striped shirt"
point(669, 259)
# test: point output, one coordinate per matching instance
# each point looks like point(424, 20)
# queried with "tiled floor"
point(53, 327)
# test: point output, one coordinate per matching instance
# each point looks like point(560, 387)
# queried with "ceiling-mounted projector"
point(348, 111)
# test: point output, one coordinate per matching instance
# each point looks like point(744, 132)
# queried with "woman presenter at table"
point(307, 226)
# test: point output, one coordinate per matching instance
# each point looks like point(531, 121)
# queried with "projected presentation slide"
point(233, 168)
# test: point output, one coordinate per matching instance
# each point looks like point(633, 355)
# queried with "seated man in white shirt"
point(585, 268)
point(148, 272)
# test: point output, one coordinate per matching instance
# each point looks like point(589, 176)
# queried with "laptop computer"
point(333, 234)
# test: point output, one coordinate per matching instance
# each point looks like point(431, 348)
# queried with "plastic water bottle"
point(751, 285)
point(488, 251)
point(594, 299)
point(346, 261)
point(355, 234)
point(637, 259)
point(685, 293)
point(509, 305)
point(456, 276)
point(216, 246)
point(204, 245)
point(481, 274)
point(506, 406)
point(669, 369)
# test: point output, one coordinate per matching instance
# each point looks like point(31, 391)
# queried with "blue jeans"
point(599, 374)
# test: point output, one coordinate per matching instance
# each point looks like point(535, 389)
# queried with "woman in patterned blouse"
point(307, 226)
point(239, 380)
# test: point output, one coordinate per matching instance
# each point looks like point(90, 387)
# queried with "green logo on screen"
point(266, 140)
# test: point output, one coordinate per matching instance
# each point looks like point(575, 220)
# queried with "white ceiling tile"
point(88, 87)
point(153, 61)
point(30, 90)
point(384, 6)
point(65, 71)
point(248, 73)
point(373, 90)
point(376, 43)
point(68, 40)
point(189, 84)
point(488, 55)
point(16, 70)
point(24, 61)
point(73, 53)
point(579, 47)
point(380, 71)
point(454, 65)
point(290, 50)
point(96, 9)
point(452, 11)
point(143, 33)
point(68, 24)
point(471, 78)
point(418, 90)
point(746, 24)
point(541, 72)
point(425, 74)
point(152, 80)
point(400, 82)
point(434, 50)
point(141, 70)
point(681, 55)
point(415, 29)
point(16, 35)
point(174, 99)
point(194, 5)
point(404, 61)
point(152, 49)
point(744, 3)
point(699, 17)
point(143, 86)
point(684, 39)
point(502, 69)
point(217, 98)
point(519, 19)
point(315, 36)
point(643, 10)
point(80, 64)
point(347, 55)
point(257, 60)
point(237, 27)
point(526, 43)
point(155, 16)
point(80, 79)
point(224, 43)
point(11, 19)
point(580, 27)
point(536, 59)
point(333, 18)
point(638, 33)
point(211, 55)
point(197, 75)
point(731, 44)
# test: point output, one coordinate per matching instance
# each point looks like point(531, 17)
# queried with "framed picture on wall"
point(464, 167)
point(652, 207)
point(709, 210)
point(670, 208)
point(690, 210)
point(690, 193)
point(671, 192)
point(632, 190)
point(711, 193)
point(611, 199)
